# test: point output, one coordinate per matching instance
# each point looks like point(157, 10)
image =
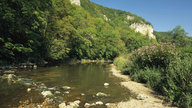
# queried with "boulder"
point(46, 93)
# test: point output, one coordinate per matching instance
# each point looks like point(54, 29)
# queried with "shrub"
point(151, 77)
point(122, 61)
point(155, 55)
point(179, 86)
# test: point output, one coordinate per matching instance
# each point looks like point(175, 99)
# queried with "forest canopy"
point(39, 30)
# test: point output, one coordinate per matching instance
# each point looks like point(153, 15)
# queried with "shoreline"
point(146, 98)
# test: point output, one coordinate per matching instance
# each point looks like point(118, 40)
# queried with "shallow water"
point(87, 78)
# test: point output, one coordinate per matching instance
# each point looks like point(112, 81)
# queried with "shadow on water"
point(83, 78)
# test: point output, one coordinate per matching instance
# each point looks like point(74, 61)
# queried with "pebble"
point(106, 84)
point(29, 89)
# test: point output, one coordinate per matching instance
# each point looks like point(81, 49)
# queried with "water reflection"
point(85, 81)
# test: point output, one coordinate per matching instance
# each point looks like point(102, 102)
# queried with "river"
point(84, 79)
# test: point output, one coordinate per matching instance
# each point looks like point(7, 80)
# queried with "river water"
point(83, 78)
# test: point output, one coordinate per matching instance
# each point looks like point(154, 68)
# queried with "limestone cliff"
point(77, 2)
point(142, 28)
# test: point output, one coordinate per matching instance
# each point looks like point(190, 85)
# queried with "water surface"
point(87, 78)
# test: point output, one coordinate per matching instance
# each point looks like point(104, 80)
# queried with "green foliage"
point(56, 29)
point(179, 78)
point(164, 68)
point(150, 76)
point(177, 36)
point(155, 55)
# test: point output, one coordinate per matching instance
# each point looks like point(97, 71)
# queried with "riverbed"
point(84, 79)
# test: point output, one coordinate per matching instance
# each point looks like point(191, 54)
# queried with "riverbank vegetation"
point(53, 30)
point(164, 67)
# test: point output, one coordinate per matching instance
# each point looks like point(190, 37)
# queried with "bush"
point(163, 68)
point(151, 77)
point(155, 55)
point(122, 61)
point(179, 86)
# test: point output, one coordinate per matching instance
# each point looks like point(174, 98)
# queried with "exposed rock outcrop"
point(77, 2)
point(106, 19)
point(144, 29)
point(130, 17)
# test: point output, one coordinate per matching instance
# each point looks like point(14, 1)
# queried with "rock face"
point(77, 2)
point(130, 17)
point(143, 29)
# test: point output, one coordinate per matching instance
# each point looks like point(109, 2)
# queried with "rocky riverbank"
point(146, 98)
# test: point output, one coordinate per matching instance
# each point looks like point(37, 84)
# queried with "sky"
point(164, 15)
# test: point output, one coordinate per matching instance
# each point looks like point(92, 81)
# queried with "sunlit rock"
point(77, 2)
point(66, 87)
point(62, 105)
point(101, 94)
point(106, 84)
point(29, 89)
point(46, 93)
point(87, 105)
point(99, 103)
point(143, 29)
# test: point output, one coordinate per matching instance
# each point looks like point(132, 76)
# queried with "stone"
point(34, 66)
point(107, 104)
point(27, 84)
point(66, 87)
point(46, 93)
point(29, 89)
point(67, 92)
point(106, 84)
point(141, 97)
point(9, 72)
point(48, 101)
point(101, 94)
point(62, 105)
point(77, 101)
point(74, 105)
point(99, 103)
point(93, 104)
point(82, 94)
point(57, 92)
point(87, 105)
